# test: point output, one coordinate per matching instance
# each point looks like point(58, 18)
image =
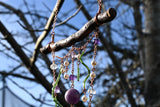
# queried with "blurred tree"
point(128, 57)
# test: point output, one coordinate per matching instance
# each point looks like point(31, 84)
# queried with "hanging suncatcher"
point(75, 54)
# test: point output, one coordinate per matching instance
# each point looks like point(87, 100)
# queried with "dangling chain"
point(94, 63)
point(54, 66)
point(72, 54)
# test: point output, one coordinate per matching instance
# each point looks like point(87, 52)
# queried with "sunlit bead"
point(94, 63)
point(78, 56)
point(66, 76)
point(63, 71)
point(57, 89)
point(84, 98)
point(66, 63)
point(72, 55)
point(93, 75)
point(53, 66)
point(91, 91)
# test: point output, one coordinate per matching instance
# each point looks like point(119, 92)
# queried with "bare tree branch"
point(84, 10)
point(29, 93)
point(32, 68)
point(69, 17)
point(85, 30)
point(20, 14)
point(130, 2)
point(120, 72)
point(17, 75)
point(48, 27)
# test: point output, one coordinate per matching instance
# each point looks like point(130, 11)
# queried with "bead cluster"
point(72, 95)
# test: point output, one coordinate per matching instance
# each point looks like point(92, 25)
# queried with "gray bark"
point(152, 53)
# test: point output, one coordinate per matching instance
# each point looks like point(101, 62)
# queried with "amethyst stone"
point(72, 77)
point(72, 96)
point(96, 41)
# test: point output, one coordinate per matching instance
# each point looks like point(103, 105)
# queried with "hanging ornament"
point(72, 96)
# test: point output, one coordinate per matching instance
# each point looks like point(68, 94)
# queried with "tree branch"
point(20, 14)
point(32, 68)
point(120, 72)
point(108, 16)
point(48, 28)
point(69, 17)
point(17, 75)
point(84, 10)
point(114, 60)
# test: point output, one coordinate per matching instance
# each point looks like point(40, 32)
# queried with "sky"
point(78, 20)
point(14, 27)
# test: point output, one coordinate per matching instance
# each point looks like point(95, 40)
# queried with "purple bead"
point(72, 96)
point(57, 89)
point(72, 77)
point(96, 41)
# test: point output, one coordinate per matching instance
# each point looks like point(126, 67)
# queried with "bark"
point(152, 53)
point(83, 32)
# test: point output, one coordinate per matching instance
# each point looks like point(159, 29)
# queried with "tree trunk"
point(152, 53)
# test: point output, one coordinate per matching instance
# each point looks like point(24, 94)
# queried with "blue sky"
point(78, 20)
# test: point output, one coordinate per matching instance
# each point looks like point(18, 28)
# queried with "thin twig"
point(29, 93)
point(17, 75)
point(69, 17)
point(31, 30)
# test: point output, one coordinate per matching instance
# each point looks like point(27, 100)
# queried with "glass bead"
point(63, 70)
point(84, 98)
point(66, 63)
point(94, 63)
point(72, 77)
point(91, 91)
point(96, 41)
point(93, 75)
point(78, 56)
point(57, 89)
point(72, 55)
point(66, 76)
point(53, 66)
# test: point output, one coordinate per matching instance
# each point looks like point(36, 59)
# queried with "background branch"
point(48, 27)
point(32, 68)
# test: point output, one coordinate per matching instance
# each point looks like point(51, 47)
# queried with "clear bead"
point(84, 98)
point(94, 63)
point(66, 63)
point(66, 76)
point(93, 75)
point(91, 91)
point(53, 66)
point(78, 56)
point(63, 70)
point(72, 55)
